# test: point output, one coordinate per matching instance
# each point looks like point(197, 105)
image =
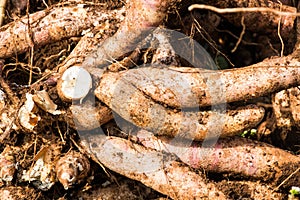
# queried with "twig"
point(241, 35)
point(237, 10)
point(278, 31)
point(12, 97)
point(285, 180)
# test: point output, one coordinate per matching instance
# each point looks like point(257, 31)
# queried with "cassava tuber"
point(181, 87)
point(152, 168)
point(234, 156)
point(142, 17)
point(50, 26)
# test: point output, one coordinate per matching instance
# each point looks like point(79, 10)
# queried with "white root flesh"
point(74, 84)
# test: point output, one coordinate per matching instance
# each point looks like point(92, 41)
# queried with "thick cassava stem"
point(192, 87)
point(234, 156)
point(50, 26)
point(141, 19)
point(152, 168)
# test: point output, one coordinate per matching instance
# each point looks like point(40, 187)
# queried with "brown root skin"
point(233, 156)
point(50, 26)
point(152, 168)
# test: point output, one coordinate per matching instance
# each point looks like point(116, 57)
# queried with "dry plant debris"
point(60, 120)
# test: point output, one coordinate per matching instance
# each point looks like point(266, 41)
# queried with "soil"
point(217, 34)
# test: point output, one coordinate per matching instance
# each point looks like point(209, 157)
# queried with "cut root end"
point(74, 84)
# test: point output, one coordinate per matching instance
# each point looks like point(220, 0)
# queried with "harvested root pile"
point(99, 97)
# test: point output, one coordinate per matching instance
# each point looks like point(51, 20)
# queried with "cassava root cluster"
point(172, 110)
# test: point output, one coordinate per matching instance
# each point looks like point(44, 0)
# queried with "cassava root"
point(162, 172)
point(173, 177)
point(144, 97)
point(97, 115)
point(51, 25)
point(273, 15)
point(142, 17)
point(182, 87)
point(152, 168)
point(232, 156)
